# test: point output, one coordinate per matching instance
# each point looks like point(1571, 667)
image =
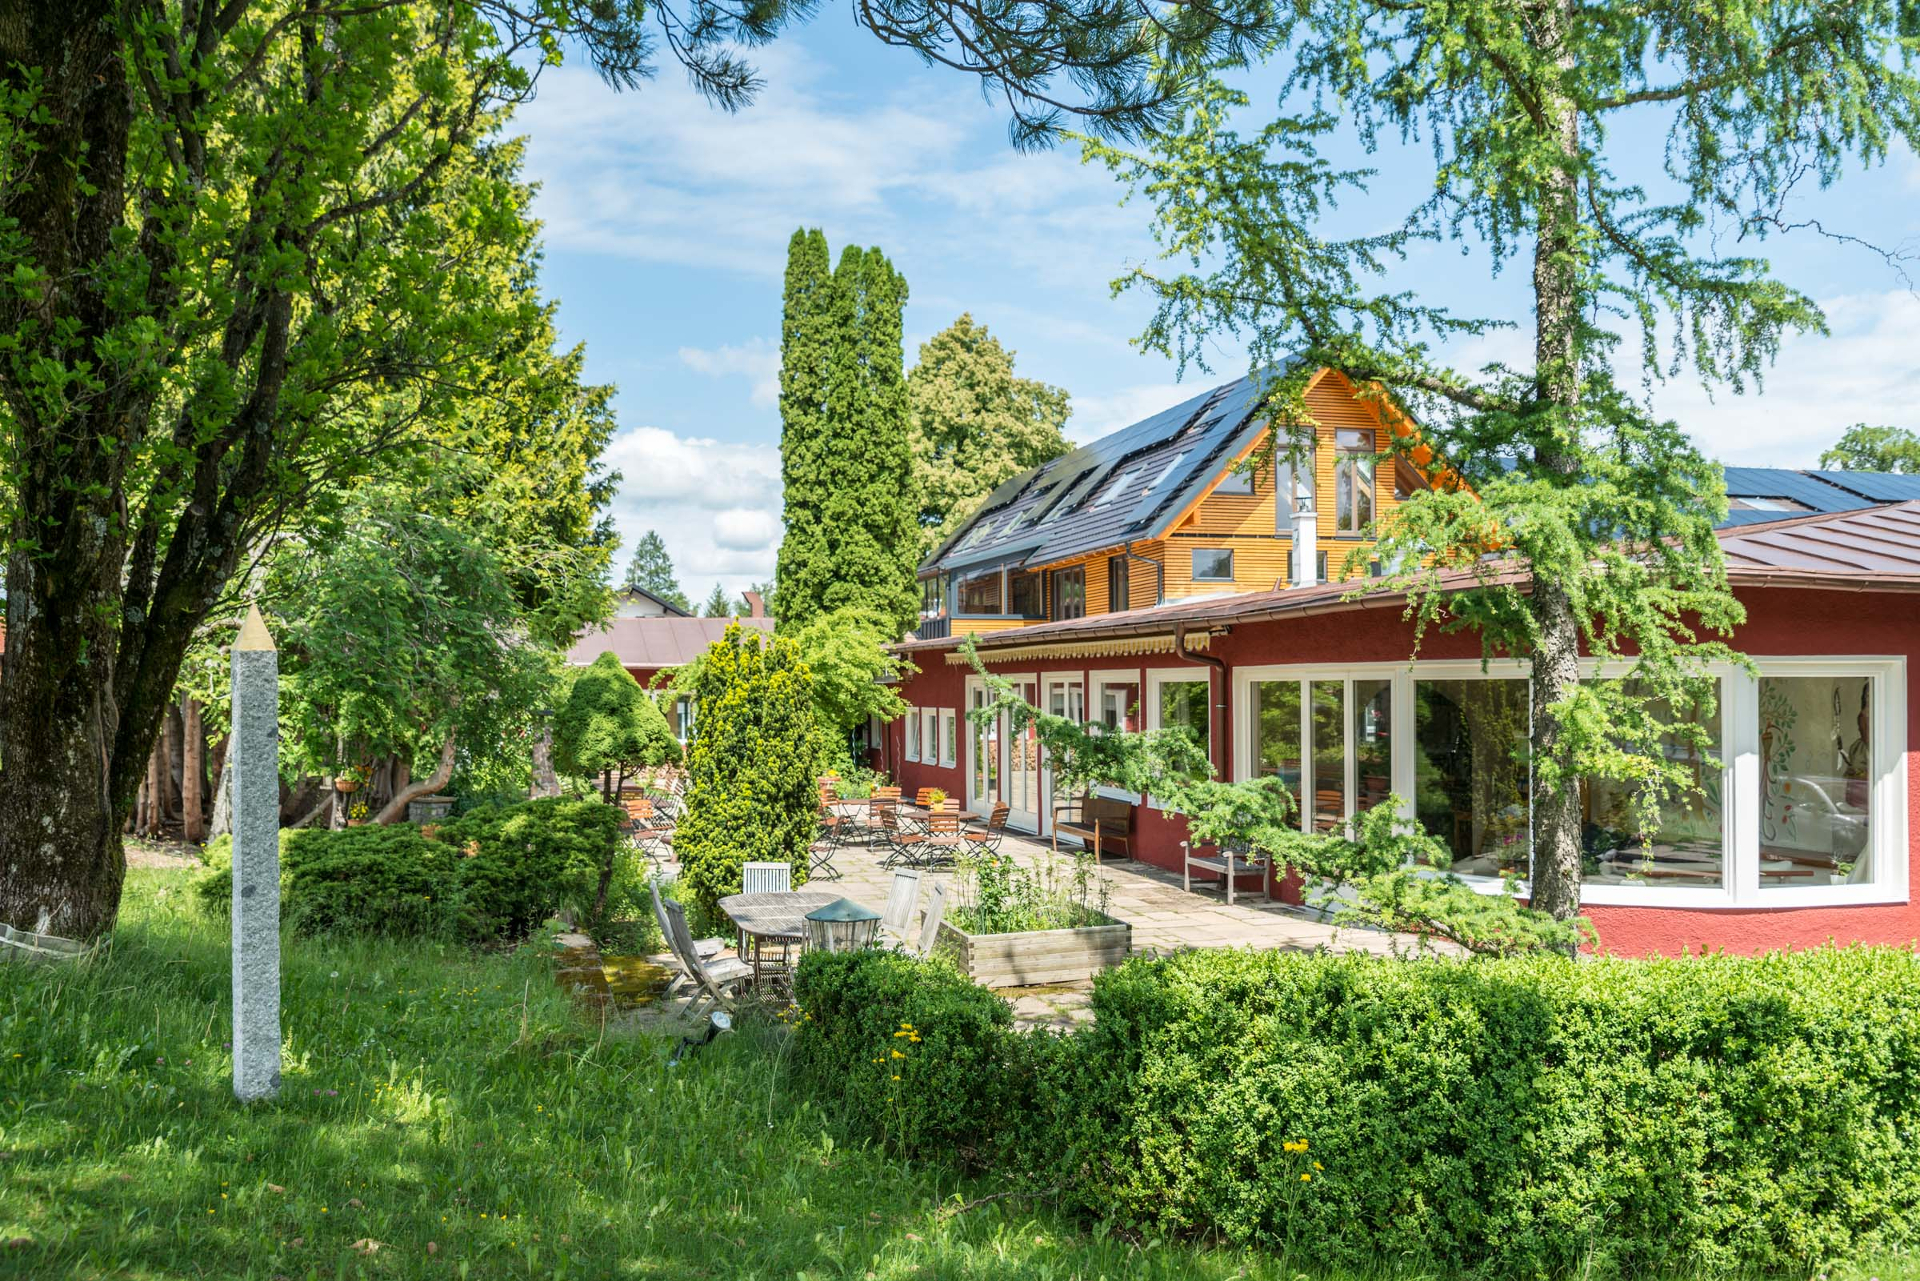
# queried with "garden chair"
point(898, 844)
point(942, 842)
point(930, 925)
point(766, 878)
point(987, 839)
point(717, 980)
point(703, 948)
point(900, 903)
point(833, 831)
point(647, 830)
point(884, 801)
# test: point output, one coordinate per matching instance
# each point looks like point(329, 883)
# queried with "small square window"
point(1212, 565)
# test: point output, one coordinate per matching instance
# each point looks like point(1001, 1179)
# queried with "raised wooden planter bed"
point(1037, 956)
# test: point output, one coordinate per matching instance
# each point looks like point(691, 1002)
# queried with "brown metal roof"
point(1874, 549)
point(1880, 546)
point(657, 642)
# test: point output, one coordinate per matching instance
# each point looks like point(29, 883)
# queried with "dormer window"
point(1353, 481)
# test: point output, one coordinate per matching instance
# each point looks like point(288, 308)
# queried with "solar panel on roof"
point(1781, 482)
point(1880, 486)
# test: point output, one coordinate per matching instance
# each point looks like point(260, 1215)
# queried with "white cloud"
point(757, 360)
point(1097, 416)
point(746, 529)
point(715, 503)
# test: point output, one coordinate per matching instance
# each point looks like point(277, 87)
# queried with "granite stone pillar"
point(256, 862)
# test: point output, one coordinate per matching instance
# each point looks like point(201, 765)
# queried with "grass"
point(462, 1112)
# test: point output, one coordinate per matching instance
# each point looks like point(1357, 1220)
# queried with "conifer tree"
point(651, 570)
point(850, 519)
point(716, 605)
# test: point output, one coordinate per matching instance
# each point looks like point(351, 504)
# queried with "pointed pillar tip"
point(253, 632)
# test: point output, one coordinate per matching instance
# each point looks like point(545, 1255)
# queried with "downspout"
point(1217, 723)
point(1159, 572)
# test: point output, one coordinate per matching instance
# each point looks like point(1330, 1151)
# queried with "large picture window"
point(1025, 591)
point(1120, 706)
point(1683, 844)
point(1471, 788)
point(1817, 772)
point(1180, 703)
point(1352, 744)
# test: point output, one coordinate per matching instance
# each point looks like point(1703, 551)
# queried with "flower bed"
point(1014, 926)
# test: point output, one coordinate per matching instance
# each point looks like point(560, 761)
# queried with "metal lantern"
point(842, 926)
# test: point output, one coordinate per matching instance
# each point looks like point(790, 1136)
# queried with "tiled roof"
point(1873, 548)
point(657, 642)
point(1110, 491)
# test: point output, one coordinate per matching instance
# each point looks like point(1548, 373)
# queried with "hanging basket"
point(346, 784)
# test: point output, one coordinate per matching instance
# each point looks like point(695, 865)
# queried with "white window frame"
point(1739, 754)
point(1156, 677)
point(1193, 564)
point(949, 737)
point(1097, 681)
point(929, 736)
point(913, 733)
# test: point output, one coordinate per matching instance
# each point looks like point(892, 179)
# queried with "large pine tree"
point(651, 570)
point(850, 516)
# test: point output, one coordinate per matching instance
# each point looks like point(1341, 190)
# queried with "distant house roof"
point(657, 642)
point(667, 607)
point(1877, 546)
point(1120, 487)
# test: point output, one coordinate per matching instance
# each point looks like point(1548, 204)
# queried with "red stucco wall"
point(1780, 622)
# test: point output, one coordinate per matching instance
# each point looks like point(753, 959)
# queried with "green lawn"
point(462, 1112)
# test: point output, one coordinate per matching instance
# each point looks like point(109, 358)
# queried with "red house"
point(1123, 584)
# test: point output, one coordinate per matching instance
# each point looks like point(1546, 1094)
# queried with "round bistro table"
point(772, 921)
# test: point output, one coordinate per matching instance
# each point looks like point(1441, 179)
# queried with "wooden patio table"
point(768, 921)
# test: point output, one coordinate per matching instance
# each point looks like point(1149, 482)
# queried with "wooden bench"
point(1229, 863)
point(1097, 821)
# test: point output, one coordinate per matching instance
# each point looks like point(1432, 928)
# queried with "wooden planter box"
point(1037, 956)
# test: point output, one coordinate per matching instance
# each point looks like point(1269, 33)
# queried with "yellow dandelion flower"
point(1306, 1178)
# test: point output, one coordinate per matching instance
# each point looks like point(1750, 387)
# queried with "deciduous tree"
point(608, 728)
point(1865, 448)
point(1536, 115)
point(973, 424)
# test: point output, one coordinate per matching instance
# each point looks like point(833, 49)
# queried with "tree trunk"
point(396, 808)
point(1557, 292)
point(222, 823)
point(156, 793)
point(193, 770)
point(172, 802)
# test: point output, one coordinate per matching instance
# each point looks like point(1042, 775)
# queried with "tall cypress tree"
point(805, 335)
point(845, 456)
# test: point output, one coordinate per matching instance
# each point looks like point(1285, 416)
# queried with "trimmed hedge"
point(494, 873)
point(1515, 1118)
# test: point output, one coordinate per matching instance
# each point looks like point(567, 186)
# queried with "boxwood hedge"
point(1532, 1117)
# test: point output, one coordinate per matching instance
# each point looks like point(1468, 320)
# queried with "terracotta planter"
point(346, 785)
point(356, 822)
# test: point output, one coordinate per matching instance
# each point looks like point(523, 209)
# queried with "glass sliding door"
point(1276, 732)
point(1022, 792)
point(1327, 790)
point(1471, 784)
point(1372, 743)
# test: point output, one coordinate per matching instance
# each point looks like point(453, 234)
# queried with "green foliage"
point(1865, 448)
point(717, 605)
point(524, 862)
point(495, 872)
point(608, 727)
point(359, 880)
point(399, 628)
point(854, 677)
point(1524, 1118)
point(751, 769)
point(914, 1051)
point(993, 894)
point(651, 570)
point(845, 460)
point(974, 425)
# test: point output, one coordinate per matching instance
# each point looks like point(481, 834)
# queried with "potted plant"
point(935, 798)
point(350, 779)
point(357, 816)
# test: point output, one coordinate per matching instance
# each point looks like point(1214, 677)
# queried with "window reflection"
point(1470, 772)
point(1276, 731)
point(1329, 754)
point(1685, 844)
point(1816, 760)
point(1372, 743)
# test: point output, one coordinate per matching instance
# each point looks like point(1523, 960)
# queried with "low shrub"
point(1520, 1117)
point(526, 861)
point(913, 1050)
point(494, 873)
point(360, 880)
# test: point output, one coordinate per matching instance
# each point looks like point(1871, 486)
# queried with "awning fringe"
point(1111, 647)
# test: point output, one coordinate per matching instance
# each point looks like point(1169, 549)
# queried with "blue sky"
point(666, 223)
